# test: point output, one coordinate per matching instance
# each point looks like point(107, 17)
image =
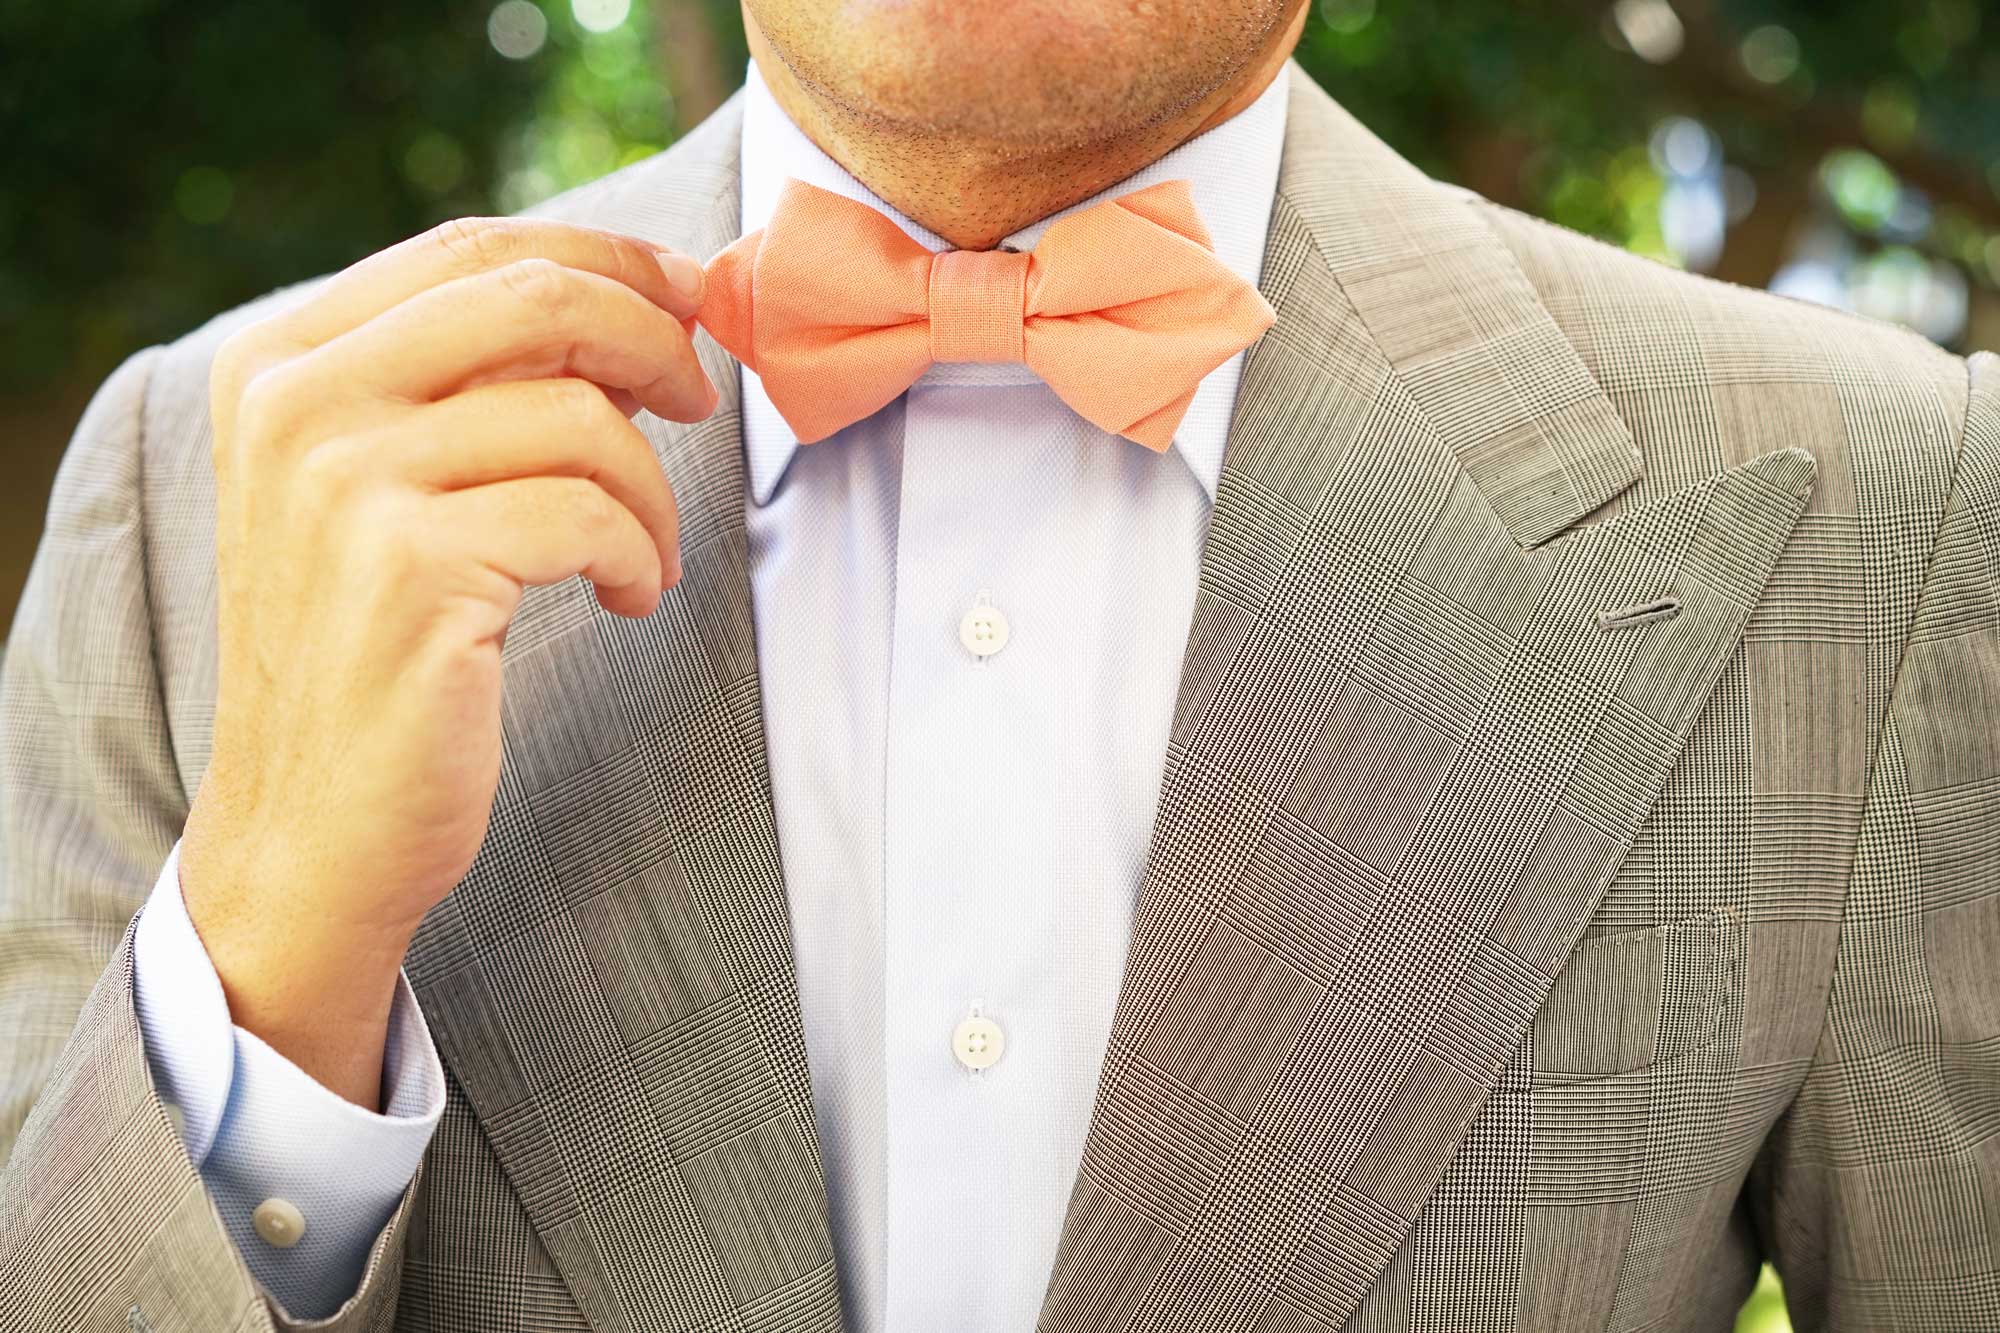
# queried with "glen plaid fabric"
point(1574, 876)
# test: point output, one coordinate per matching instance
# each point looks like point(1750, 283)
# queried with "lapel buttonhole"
point(1645, 613)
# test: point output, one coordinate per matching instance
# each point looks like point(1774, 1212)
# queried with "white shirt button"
point(977, 1042)
point(983, 631)
point(279, 1223)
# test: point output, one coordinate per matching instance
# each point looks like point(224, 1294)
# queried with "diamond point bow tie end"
point(1121, 309)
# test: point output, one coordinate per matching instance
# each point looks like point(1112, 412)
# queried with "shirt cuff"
point(183, 1017)
point(260, 1129)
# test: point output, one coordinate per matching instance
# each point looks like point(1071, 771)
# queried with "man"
point(1470, 809)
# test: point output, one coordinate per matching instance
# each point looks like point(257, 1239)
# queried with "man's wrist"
point(331, 1024)
point(318, 994)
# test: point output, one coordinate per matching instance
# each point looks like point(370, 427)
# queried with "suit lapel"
point(612, 985)
point(1407, 757)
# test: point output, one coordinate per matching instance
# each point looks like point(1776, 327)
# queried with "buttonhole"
point(1645, 613)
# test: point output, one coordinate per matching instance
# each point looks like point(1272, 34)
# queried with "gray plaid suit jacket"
point(1576, 875)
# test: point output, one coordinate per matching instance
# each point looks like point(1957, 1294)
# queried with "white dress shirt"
point(971, 610)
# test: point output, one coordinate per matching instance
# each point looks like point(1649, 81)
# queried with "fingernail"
point(683, 273)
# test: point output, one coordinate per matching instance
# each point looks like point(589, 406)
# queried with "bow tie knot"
point(1121, 310)
point(978, 304)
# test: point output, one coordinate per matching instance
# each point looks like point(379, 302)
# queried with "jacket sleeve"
point(1878, 1197)
point(104, 1221)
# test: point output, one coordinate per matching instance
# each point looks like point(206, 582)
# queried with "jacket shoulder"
point(1709, 374)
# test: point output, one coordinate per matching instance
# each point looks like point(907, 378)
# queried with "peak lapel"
point(612, 985)
point(1468, 339)
point(1406, 758)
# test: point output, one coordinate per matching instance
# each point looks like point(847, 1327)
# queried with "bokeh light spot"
point(1861, 187)
point(434, 163)
point(1956, 21)
point(1347, 16)
point(1650, 28)
point(517, 28)
point(1683, 147)
point(600, 15)
point(524, 188)
point(1902, 285)
point(1889, 114)
point(1771, 54)
point(203, 194)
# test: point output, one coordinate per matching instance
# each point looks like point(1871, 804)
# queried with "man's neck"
point(970, 194)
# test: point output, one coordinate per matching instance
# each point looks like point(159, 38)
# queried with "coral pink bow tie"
point(1121, 309)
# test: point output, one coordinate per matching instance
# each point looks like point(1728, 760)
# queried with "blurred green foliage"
point(1764, 1312)
point(1861, 135)
point(602, 104)
point(167, 160)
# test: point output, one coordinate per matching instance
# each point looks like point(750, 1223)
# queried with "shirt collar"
point(1232, 170)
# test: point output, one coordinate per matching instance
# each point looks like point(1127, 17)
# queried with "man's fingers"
point(539, 530)
point(466, 247)
point(628, 406)
point(531, 320)
point(527, 428)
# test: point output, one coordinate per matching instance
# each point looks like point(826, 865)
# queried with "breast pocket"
point(1636, 998)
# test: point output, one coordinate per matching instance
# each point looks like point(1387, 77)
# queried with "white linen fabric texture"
point(958, 832)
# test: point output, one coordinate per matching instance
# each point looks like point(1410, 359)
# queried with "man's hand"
point(441, 425)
